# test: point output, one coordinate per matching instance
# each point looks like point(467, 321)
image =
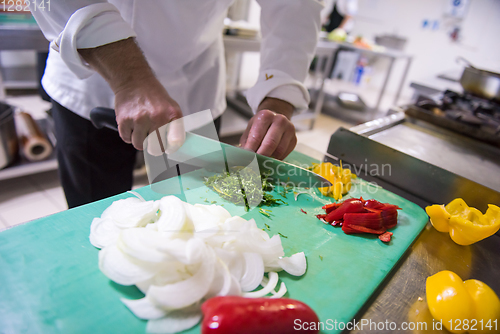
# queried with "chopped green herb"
point(265, 212)
point(267, 226)
point(206, 200)
point(321, 258)
point(213, 202)
point(284, 236)
point(286, 189)
point(187, 188)
point(243, 186)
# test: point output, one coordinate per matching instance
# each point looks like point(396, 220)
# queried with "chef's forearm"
point(278, 106)
point(119, 63)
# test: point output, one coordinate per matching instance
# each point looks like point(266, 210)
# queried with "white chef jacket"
point(182, 42)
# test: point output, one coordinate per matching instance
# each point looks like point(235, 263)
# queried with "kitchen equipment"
point(479, 82)
point(75, 297)
point(464, 113)
point(8, 136)
point(201, 152)
point(34, 144)
point(391, 41)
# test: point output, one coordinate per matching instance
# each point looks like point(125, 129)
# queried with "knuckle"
point(272, 142)
point(280, 151)
point(265, 115)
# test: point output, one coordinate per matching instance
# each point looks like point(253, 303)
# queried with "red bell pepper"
point(233, 314)
point(356, 215)
point(372, 220)
point(352, 205)
point(385, 237)
point(353, 229)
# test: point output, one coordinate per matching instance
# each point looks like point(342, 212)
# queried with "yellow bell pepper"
point(462, 306)
point(486, 306)
point(466, 225)
point(338, 176)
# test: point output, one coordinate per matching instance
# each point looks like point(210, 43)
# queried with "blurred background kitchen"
point(393, 56)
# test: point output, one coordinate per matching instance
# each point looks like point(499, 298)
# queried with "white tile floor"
point(30, 197)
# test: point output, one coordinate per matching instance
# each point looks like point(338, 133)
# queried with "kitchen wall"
point(434, 52)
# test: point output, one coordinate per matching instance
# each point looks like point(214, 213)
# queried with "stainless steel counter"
point(474, 160)
point(401, 301)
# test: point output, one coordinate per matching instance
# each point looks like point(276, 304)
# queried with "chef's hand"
point(142, 104)
point(270, 132)
point(141, 108)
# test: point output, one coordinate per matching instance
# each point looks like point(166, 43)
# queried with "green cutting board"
point(50, 281)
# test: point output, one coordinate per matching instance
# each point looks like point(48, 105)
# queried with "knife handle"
point(104, 117)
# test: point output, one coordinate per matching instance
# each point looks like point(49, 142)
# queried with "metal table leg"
point(405, 74)
point(384, 86)
point(320, 96)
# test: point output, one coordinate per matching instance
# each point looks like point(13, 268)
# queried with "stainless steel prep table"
point(402, 298)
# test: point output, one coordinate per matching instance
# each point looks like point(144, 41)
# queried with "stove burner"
point(465, 108)
point(465, 113)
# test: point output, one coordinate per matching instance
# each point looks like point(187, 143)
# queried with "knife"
point(220, 156)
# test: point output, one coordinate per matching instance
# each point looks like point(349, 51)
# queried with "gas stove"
point(464, 113)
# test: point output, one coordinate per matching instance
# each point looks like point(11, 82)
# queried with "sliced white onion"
point(234, 224)
point(103, 232)
point(136, 194)
point(144, 285)
point(144, 309)
point(143, 244)
point(185, 254)
point(281, 292)
point(184, 293)
point(271, 284)
point(217, 211)
point(121, 269)
point(131, 212)
point(233, 260)
point(203, 219)
point(175, 322)
point(254, 271)
point(173, 216)
point(226, 279)
point(295, 265)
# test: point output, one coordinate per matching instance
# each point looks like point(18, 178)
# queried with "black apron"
point(335, 19)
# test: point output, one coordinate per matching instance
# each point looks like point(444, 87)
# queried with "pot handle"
point(463, 61)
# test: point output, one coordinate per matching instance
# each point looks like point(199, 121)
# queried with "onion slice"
point(103, 232)
point(144, 309)
point(186, 292)
point(281, 292)
point(173, 216)
point(271, 284)
point(119, 268)
point(254, 271)
point(295, 265)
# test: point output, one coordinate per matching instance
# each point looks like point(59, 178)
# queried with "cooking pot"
point(482, 83)
point(8, 136)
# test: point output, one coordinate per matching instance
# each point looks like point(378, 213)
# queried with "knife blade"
point(214, 155)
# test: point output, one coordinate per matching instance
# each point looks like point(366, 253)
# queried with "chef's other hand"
point(142, 104)
point(270, 132)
